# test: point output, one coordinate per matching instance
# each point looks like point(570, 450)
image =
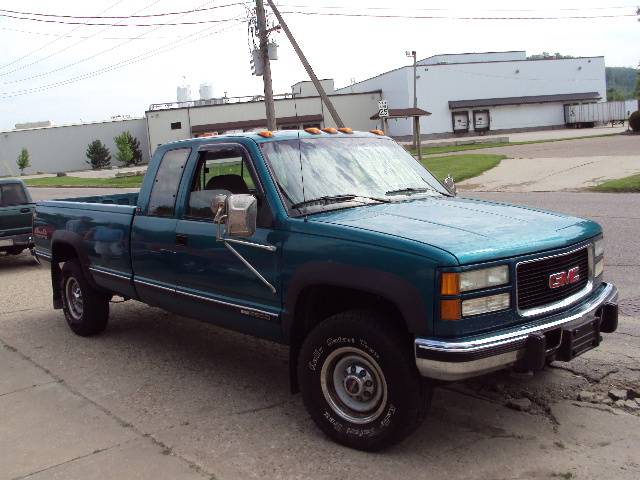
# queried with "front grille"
point(533, 279)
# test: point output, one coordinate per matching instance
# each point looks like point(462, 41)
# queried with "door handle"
point(182, 239)
point(25, 210)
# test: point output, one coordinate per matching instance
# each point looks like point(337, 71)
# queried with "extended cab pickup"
point(16, 212)
point(342, 246)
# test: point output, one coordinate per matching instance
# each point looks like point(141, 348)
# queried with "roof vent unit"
point(183, 93)
point(206, 91)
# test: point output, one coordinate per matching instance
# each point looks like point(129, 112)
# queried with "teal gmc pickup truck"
point(342, 246)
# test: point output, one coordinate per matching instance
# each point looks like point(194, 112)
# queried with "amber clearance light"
point(330, 130)
point(313, 130)
point(266, 133)
point(377, 132)
point(450, 309)
point(450, 283)
point(345, 130)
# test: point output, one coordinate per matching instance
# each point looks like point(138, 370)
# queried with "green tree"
point(614, 95)
point(23, 160)
point(636, 92)
point(125, 152)
point(135, 146)
point(98, 155)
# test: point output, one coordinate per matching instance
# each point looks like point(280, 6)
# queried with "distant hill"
point(621, 82)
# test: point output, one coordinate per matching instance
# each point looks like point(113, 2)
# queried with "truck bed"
point(99, 228)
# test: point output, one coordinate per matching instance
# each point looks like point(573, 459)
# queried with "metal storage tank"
point(206, 91)
point(184, 93)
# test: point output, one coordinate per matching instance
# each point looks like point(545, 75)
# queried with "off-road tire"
point(92, 317)
point(336, 346)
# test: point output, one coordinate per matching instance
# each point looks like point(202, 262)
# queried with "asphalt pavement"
point(159, 396)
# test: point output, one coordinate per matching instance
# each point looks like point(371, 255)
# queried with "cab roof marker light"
point(266, 134)
point(345, 130)
point(313, 130)
point(330, 130)
point(376, 132)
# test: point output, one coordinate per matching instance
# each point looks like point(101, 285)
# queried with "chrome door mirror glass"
point(238, 212)
point(450, 185)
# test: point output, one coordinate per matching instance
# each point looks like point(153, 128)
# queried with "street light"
point(416, 119)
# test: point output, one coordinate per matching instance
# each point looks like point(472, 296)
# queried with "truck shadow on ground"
point(12, 263)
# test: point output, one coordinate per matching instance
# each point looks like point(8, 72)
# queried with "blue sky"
point(338, 47)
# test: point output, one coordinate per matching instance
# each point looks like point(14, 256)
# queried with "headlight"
point(598, 248)
point(454, 283)
point(493, 303)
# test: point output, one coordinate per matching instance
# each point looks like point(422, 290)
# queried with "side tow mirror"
point(450, 185)
point(238, 212)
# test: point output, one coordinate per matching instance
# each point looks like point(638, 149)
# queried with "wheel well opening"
point(316, 303)
point(63, 252)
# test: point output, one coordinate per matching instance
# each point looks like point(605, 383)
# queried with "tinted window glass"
point(12, 194)
point(165, 187)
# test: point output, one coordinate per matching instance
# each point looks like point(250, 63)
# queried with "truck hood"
point(472, 230)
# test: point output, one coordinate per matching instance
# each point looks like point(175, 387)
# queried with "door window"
point(222, 171)
point(162, 201)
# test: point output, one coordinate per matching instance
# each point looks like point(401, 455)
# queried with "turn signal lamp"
point(330, 130)
point(313, 130)
point(345, 130)
point(450, 283)
point(266, 133)
point(377, 132)
point(450, 309)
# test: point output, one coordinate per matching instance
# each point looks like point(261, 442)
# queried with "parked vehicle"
point(16, 211)
point(587, 115)
point(342, 246)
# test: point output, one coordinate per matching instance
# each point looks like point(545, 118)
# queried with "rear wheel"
point(359, 381)
point(85, 308)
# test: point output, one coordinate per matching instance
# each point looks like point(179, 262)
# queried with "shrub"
point(98, 155)
point(129, 152)
point(634, 121)
point(23, 160)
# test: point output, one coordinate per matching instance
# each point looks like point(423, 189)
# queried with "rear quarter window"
point(162, 201)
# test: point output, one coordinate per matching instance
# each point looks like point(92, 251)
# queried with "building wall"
point(397, 89)
point(63, 148)
point(354, 110)
point(308, 89)
point(474, 57)
point(439, 84)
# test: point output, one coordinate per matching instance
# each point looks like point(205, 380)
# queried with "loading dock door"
point(481, 120)
point(460, 121)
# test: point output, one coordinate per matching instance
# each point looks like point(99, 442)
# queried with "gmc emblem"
point(560, 279)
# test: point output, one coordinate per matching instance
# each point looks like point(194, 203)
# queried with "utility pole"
point(416, 119)
point(266, 76)
point(307, 66)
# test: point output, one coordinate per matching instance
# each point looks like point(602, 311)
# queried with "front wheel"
point(85, 308)
point(359, 381)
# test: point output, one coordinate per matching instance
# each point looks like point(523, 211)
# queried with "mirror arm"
point(250, 267)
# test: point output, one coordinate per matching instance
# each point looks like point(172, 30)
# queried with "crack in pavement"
point(589, 378)
point(28, 388)
point(71, 460)
point(191, 464)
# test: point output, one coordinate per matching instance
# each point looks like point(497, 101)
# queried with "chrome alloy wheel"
point(353, 385)
point(73, 295)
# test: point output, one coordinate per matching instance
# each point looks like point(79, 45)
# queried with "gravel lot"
point(159, 396)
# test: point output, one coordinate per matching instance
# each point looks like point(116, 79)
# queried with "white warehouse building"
point(472, 93)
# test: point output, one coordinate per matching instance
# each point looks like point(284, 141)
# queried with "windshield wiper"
point(327, 199)
point(409, 191)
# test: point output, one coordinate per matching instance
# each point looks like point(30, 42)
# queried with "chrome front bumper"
point(459, 359)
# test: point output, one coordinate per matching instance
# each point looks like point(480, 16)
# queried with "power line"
point(345, 7)
point(93, 24)
point(44, 34)
point(85, 59)
point(452, 17)
point(130, 61)
point(27, 55)
point(99, 17)
point(68, 47)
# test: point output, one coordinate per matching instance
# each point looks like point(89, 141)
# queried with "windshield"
point(373, 168)
point(12, 194)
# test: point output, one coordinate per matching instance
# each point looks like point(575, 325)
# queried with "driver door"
point(216, 284)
